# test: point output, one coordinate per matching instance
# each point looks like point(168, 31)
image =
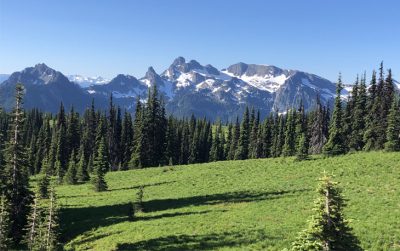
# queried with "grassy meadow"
point(232, 205)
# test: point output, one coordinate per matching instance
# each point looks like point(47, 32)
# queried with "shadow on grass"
point(144, 186)
point(170, 215)
point(76, 221)
point(234, 197)
point(197, 242)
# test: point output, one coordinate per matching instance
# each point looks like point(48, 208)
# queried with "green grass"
point(232, 205)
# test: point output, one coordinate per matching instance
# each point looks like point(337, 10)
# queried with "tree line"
point(77, 148)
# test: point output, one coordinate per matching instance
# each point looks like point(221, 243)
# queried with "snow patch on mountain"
point(85, 82)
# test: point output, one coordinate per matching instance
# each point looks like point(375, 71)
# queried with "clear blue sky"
point(98, 37)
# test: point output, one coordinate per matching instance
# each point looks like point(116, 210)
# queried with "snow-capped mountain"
point(87, 81)
point(188, 87)
point(45, 89)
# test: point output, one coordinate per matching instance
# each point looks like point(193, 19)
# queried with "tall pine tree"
point(336, 143)
point(17, 187)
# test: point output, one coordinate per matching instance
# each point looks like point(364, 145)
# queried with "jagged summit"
point(188, 87)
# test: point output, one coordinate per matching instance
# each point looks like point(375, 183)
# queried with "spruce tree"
point(370, 137)
point(242, 150)
point(217, 147)
point(34, 233)
point(336, 143)
point(302, 148)
point(101, 165)
point(17, 187)
point(328, 229)
point(386, 103)
point(43, 186)
point(5, 223)
point(73, 132)
point(289, 148)
point(126, 141)
point(62, 154)
point(358, 119)
point(234, 141)
point(254, 137)
point(267, 137)
point(70, 176)
point(393, 129)
point(137, 158)
point(302, 141)
point(318, 137)
point(51, 224)
point(228, 141)
point(82, 173)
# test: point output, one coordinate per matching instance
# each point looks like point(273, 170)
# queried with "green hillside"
point(232, 205)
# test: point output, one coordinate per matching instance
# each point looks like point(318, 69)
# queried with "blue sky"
point(98, 37)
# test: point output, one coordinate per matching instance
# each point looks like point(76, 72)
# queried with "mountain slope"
point(45, 89)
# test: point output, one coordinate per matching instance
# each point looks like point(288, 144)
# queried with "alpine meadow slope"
point(231, 205)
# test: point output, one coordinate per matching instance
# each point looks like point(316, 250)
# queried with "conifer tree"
point(5, 223)
point(380, 107)
point(100, 166)
point(358, 119)
point(17, 187)
point(73, 132)
point(328, 229)
point(126, 140)
point(234, 141)
point(51, 224)
point(43, 145)
point(32, 155)
point(82, 173)
point(254, 142)
point(349, 113)
point(318, 137)
point(336, 143)
point(184, 151)
point(217, 147)
point(267, 137)
point(302, 143)
point(393, 129)
point(302, 148)
point(386, 103)
point(34, 235)
point(228, 141)
point(43, 186)
point(194, 147)
point(137, 159)
point(62, 154)
point(370, 137)
point(70, 176)
point(52, 156)
point(90, 163)
point(171, 141)
point(289, 148)
point(242, 151)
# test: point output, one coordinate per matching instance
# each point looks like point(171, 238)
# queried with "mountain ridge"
point(187, 86)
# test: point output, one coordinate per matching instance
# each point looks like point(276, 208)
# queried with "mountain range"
point(186, 86)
